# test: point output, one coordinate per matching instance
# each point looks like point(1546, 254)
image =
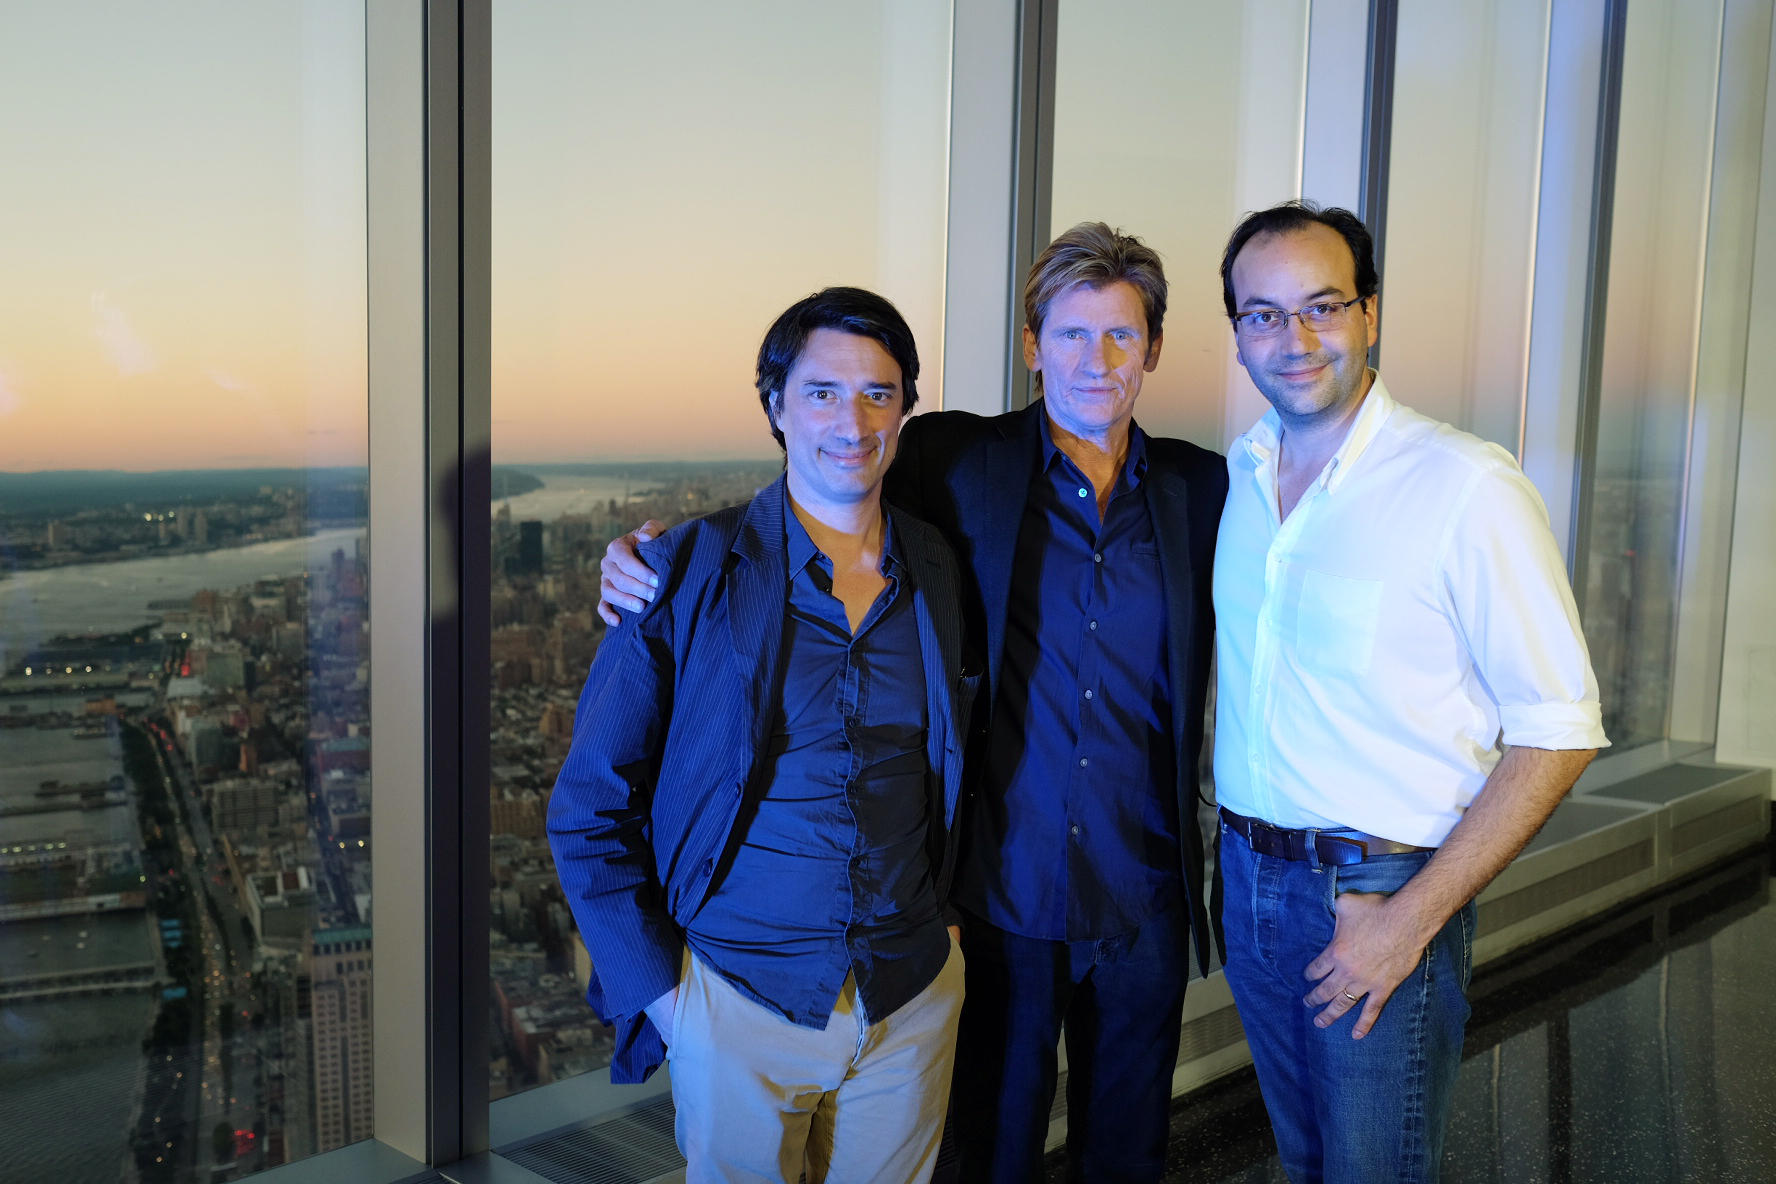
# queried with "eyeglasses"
point(1268, 322)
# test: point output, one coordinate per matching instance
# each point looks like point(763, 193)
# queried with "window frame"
point(429, 114)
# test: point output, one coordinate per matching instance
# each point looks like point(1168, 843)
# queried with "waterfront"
point(29, 757)
point(114, 597)
point(573, 493)
point(70, 1066)
point(65, 945)
point(69, 1073)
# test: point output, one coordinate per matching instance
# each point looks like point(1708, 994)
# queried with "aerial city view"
point(184, 797)
point(186, 781)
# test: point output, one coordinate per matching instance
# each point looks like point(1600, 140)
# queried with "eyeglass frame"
point(1343, 307)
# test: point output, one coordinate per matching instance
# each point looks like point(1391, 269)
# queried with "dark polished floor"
point(1640, 1046)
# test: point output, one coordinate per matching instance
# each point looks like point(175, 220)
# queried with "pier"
point(100, 980)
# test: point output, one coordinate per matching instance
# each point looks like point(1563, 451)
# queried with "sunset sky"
point(182, 257)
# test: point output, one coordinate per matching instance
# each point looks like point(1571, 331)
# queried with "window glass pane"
point(667, 179)
point(1198, 122)
point(1649, 355)
point(184, 758)
point(1462, 192)
point(1201, 123)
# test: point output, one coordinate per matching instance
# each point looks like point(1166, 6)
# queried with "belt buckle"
point(1267, 839)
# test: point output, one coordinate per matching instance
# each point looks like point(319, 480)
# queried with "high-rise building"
point(340, 1010)
point(530, 548)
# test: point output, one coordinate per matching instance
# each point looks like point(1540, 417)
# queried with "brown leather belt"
point(1337, 847)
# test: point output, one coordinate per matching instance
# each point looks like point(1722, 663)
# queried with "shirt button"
point(1082, 493)
point(1088, 694)
point(1083, 762)
point(1098, 557)
point(1092, 625)
point(1076, 828)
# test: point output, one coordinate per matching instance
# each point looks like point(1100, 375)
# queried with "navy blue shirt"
point(1074, 833)
point(832, 876)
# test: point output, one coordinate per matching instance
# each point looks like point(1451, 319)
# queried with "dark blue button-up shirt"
point(1074, 832)
point(832, 876)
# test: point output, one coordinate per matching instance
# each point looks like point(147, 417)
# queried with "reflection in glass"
point(1462, 191)
point(1643, 420)
point(184, 750)
point(1195, 120)
point(667, 178)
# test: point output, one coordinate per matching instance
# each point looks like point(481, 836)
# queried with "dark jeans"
point(1120, 1001)
point(1344, 1111)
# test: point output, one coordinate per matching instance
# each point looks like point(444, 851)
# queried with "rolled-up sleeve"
point(1509, 594)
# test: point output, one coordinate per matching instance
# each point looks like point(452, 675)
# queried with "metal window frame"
point(1032, 176)
point(428, 178)
point(1378, 133)
point(428, 90)
point(1603, 198)
point(1567, 193)
point(1718, 381)
point(978, 257)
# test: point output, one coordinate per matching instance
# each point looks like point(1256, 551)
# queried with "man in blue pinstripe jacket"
point(755, 823)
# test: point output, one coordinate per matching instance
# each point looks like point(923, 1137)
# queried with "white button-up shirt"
point(1378, 649)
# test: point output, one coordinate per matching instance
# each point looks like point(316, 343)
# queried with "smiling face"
point(1092, 353)
point(1307, 376)
point(839, 412)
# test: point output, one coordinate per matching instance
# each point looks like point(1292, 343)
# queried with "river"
point(69, 1067)
point(114, 597)
point(572, 494)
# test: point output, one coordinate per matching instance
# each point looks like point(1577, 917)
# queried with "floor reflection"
point(1640, 1048)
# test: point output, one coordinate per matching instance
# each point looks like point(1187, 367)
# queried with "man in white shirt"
point(1404, 698)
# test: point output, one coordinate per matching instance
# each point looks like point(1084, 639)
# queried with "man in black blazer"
point(755, 824)
point(1089, 547)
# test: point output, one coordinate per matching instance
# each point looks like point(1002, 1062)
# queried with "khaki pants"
point(760, 1099)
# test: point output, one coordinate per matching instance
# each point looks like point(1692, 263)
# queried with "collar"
point(1265, 435)
point(801, 549)
point(1134, 467)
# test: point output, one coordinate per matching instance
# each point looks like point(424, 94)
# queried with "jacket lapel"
point(940, 652)
point(995, 513)
point(757, 590)
point(1168, 503)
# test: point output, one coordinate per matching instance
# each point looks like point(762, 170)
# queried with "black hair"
point(849, 310)
point(1292, 216)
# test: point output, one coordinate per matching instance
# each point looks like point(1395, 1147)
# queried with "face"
point(1307, 376)
point(840, 412)
point(1092, 354)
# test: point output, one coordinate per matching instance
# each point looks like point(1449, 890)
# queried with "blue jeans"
point(1344, 1111)
point(1121, 1001)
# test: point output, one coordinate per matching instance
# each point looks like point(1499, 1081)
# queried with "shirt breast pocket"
point(1335, 623)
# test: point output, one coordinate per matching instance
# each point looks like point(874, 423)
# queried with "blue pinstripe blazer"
point(669, 740)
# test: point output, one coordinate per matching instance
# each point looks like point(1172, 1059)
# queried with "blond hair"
point(1093, 254)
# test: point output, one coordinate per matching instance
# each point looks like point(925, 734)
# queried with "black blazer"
point(969, 476)
point(669, 744)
